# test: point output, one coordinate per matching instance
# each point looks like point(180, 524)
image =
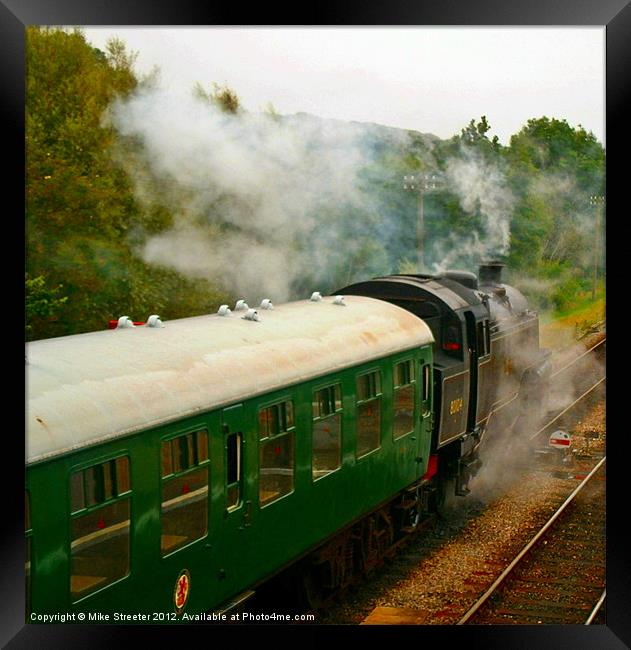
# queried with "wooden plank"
point(395, 616)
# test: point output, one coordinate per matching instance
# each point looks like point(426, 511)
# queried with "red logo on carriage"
point(182, 588)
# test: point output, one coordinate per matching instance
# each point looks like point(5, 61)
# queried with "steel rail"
point(498, 408)
point(508, 570)
point(569, 365)
point(566, 409)
point(596, 609)
point(509, 400)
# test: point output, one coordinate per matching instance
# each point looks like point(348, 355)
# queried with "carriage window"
point(452, 343)
point(427, 378)
point(184, 490)
point(404, 398)
point(368, 385)
point(233, 469)
point(184, 452)
point(368, 412)
point(403, 373)
point(99, 541)
point(327, 431)
point(327, 401)
point(276, 419)
point(276, 452)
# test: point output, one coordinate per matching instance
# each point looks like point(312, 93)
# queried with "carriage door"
point(472, 346)
point(237, 509)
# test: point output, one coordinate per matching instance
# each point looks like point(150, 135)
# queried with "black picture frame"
point(614, 15)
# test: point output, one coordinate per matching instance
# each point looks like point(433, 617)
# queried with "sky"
point(432, 80)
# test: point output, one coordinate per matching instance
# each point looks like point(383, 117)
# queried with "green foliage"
point(222, 97)
point(475, 135)
point(271, 112)
point(43, 305)
point(74, 191)
point(472, 139)
point(407, 266)
point(84, 225)
point(68, 86)
point(546, 144)
point(553, 170)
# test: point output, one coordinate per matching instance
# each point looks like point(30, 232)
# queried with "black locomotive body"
point(487, 358)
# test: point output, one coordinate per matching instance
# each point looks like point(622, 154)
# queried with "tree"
point(84, 225)
point(553, 170)
point(473, 137)
point(222, 97)
point(551, 145)
point(74, 192)
point(42, 305)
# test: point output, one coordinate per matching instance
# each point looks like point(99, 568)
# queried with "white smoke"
point(510, 447)
point(246, 191)
point(481, 187)
point(482, 191)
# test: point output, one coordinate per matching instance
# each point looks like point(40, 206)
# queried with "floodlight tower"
point(421, 184)
point(598, 201)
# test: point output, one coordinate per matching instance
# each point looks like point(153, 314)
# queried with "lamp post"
point(421, 183)
point(597, 200)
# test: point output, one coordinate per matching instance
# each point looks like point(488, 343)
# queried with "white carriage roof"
point(87, 388)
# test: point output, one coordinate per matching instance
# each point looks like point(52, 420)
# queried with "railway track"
point(575, 382)
point(562, 583)
point(559, 576)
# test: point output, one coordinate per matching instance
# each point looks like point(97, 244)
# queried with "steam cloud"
point(247, 192)
point(482, 190)
point(259, 201)
point(507, 451)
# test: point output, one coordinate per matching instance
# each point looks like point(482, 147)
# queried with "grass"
point(558, 330)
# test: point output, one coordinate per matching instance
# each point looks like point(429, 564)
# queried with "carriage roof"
point(87, 388)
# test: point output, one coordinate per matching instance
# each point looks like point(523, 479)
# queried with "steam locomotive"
point(172, 468)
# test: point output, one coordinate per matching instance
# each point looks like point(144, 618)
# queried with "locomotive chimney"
point(491, 272)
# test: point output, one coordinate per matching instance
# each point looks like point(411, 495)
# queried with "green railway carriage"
point(169, 469)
